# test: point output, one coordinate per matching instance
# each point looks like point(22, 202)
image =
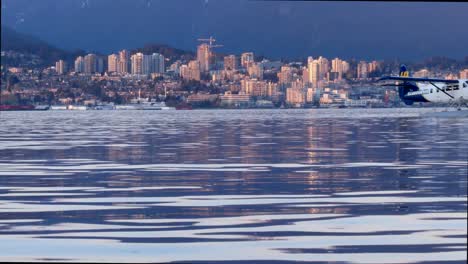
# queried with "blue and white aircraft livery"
point(412, 89)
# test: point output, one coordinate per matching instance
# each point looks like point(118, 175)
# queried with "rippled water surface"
point(251, 186)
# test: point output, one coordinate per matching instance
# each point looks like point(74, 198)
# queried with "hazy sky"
point(275, 29)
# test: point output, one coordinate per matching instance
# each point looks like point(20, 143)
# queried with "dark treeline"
point(47, 55)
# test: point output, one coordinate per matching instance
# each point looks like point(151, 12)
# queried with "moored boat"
point(16, 107)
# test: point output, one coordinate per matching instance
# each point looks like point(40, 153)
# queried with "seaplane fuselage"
point(413, 89)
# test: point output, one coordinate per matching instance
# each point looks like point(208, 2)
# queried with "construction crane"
point(210, 41)
point(205, 65)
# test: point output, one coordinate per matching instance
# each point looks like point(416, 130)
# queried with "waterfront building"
point(310, 95)
point(238, 100)
point(254, 87)
point(295, 96)
point(272, 89)
point(61, 67)
point(201, 98)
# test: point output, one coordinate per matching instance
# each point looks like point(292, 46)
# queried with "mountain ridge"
point(12, 40)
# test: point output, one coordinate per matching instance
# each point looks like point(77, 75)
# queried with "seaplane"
point(411, 89)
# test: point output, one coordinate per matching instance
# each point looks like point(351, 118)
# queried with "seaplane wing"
point(412, 79)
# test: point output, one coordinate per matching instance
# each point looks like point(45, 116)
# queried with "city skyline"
point(241, 81)
point(275, 30)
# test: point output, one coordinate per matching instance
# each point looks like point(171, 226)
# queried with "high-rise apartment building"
point(79, 64)
point(90, 63)
point(230, 63)
point(100, 64)
point(256, 71)
point(124, 65)
point(137, 63)
point(339, 67)
point(285, 76)
point(324, 67)
point(305, 75)
point(147, 64)
point(314, 73)
point(373, 66)
point(184, 72)
point(255, 87)
point(247, 59)
point(345, 66)
point(112, 63)
point(191, 71)
point(194, 68)
point(157, 63)
point(362, 70)
point(204, 57)
point(61, 67)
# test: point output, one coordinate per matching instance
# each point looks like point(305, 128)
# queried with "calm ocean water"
point(250, 186)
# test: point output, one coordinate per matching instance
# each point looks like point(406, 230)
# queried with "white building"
point(79, 64)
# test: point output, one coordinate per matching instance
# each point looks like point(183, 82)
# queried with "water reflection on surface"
point(346, 186)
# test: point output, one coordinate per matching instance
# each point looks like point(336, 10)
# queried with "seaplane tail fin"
point(404, 71)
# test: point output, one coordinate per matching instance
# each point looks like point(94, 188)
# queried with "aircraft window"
point(431, 90)
point(465, 84)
